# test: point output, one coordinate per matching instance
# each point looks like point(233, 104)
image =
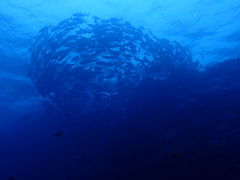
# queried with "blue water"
point(118, 90)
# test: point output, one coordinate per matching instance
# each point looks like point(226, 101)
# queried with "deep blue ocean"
point(119, 90)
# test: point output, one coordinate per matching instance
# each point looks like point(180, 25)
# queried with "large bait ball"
point(85, 62)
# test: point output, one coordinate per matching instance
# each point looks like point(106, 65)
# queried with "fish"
point(11, 178)
point(58, 134)
point(175, 155)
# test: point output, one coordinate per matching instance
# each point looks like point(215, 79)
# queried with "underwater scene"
point(119, 90)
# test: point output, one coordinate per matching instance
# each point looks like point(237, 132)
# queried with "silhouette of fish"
point(134, 158)
point(11, 178)
point(175, 155)
point(58, 134)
